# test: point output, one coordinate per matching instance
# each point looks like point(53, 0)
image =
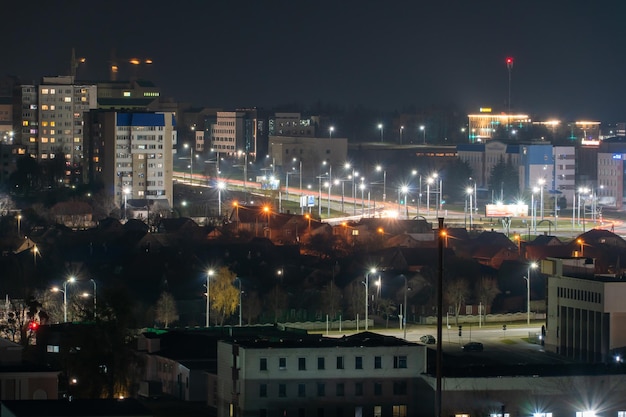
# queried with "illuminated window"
point(67, 99)
point(44, 140)
point(378, 411)
point(77, 140)
point(52, 349)
point(126, 93)
point(44, 91)
point(44, 123)
point(52, 140)
point(24, 122)
point(44, 107)
point(53, 91)
point(399, 411)
point(32, 140)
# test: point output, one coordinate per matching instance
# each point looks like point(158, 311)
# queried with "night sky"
point(570, 56)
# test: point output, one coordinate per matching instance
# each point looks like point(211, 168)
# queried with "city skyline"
point(383, 56)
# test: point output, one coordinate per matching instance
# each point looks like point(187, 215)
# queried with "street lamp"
point(220, 186)
point(64, 291)
point(209, 274)
point(186, 145)
point(380, 168)
point(126, 191)
point(19, 220)
point(330, 131)
point(404, 315)
point(240, 292)
point(541, 183)
point(470, 191)
point(401, 129)
point(267, 211)
point(582, 246)
point(381, 128)
point(367, 286)
point(423, 129)
point(532, 265)
point(405, 191)
point(236, 206)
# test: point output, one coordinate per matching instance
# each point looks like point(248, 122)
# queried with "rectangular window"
point(282, 363)
point(399, 361)
point(301, 390)
point(263, 390)
point(378, 411)
point(378, 362)
point(358, 362)
point(399, 388)
point(302, 364)
point(321, 389)
point(282, 390)
point(263, 364)
point(378, 388)
point(358, 389)
point(340, 389)
point(399, 411)
point(339, 362)
point(320, 363)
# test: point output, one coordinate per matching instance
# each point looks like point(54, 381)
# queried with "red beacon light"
point(509, 61)
point(33, 325)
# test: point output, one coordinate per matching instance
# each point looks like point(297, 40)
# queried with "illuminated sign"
point(617, 156)
point(307, 201)
point(485, 109)
point(506, 210)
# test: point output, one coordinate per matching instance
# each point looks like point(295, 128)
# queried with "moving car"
point(428, 339)
point(473, 347)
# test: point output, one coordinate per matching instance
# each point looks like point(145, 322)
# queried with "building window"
point(378, 411)
point(263, 364)
point(302, 364)
point(399, 361)
point(301, 390)
point(399, 411)
point(378, 362)
point(399, 388)
point(321, 389)
point(340, 389)
point(358, 389)
point(339, 362)
point(282, 390)
point(358, 362)
point(378, 388)
point(263, 390)
point(282, 363)
point(320, 363)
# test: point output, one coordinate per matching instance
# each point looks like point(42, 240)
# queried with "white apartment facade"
point(227, 134)
point(361, 375)
point(586, 312)
point(132, 154)
point(62, 105)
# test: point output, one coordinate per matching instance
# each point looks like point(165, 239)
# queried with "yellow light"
point(485, 109)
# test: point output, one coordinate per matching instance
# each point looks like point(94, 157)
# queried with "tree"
point(504, 180)
point(165, 311)
point(224, 295)
point(455, 293)
point(487, 291)
point(387, 307)
point(354, 296)
point(458, 173)
point(331, 299)
point(23, 316)
point(253, 307)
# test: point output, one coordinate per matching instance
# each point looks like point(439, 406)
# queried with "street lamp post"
point(208, 302)
point(126, 191)
point(367, 286)
point(541, 183)
point(330, 131)
point(95, 292)
point(19, 220)
point(64, 291)
point(190, 162)
point(381, 128)
point(380, 168)
point(220, 186)
point(527, 278)
point(240, 292)
point(405, 191)
point(404, 315)
point(470, 192)
point(401, 130)
point(423, 129)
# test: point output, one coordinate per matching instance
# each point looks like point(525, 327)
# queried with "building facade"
point(133, 152)
point(585, 311)
point(361, 375)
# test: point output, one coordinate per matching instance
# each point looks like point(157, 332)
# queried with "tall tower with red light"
point(509, 66)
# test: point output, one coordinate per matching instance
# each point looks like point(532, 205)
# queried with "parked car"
point(428, 339)
point(473, 347)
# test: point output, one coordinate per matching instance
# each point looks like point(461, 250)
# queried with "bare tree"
point(165, 311)
point(455, 293)
point(354, 296)
point(331, 299)
point(487, 291)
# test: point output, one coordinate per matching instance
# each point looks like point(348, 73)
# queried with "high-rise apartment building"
point(62, 105)
point(132, 153)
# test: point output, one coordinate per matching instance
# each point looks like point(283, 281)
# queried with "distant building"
point(586, 311)
point(366, 374)
point(483, 125)
point(288, 152)
point(292, 124)
point(134, 152)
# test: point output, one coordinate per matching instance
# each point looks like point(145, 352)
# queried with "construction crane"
point(75, 62)
point(115, 63)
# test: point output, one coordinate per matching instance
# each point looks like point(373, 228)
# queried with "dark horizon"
point(567, 60)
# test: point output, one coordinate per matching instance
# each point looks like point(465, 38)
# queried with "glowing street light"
point(64, 291)
point(330, 131)
point(381, 128)
point(367, 286)
point(220, 186)
point(126, 191)
point(380, 168)
point(401, 130)
point(423, 129)
point(541, 183)
point(209, 274)
point(531, 266)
